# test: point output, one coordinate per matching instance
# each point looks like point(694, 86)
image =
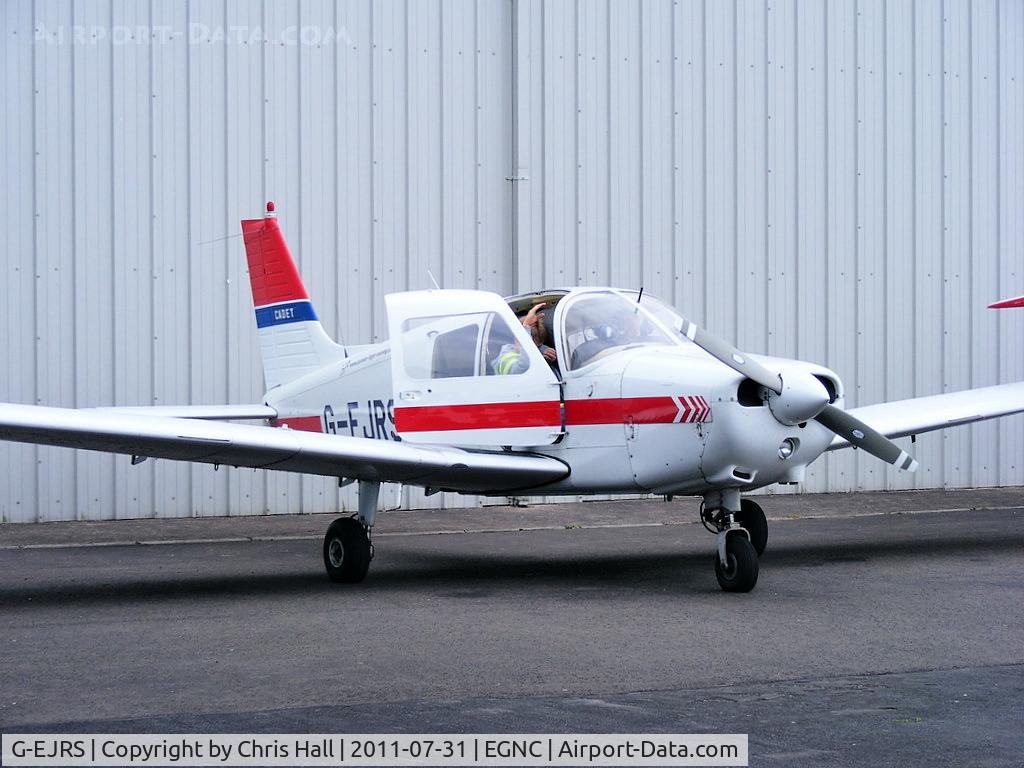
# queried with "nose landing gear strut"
point(742, 533)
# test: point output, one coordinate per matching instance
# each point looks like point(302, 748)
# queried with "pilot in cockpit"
point(510, 359)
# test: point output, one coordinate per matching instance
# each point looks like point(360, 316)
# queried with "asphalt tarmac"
point(885, 629)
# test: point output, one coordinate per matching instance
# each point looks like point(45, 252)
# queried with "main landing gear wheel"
point(740, 572)
point(347, 551)
point(751, 517)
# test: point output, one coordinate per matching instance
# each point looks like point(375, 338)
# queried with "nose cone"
point(803, 396)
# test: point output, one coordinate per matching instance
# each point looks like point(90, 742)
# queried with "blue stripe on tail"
point(281, 314)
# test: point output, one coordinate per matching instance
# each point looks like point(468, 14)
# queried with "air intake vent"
point(749, 394)
point(830, 386)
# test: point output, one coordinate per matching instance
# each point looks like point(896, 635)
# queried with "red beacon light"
point(270, 208)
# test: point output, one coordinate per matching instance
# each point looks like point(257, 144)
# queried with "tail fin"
point(292, 340)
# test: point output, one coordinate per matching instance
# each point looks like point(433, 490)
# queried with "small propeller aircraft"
point(600, 391)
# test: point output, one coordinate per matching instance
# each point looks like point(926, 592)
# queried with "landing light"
point(787, 448)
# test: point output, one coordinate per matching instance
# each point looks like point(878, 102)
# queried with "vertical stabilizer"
point(292, 340)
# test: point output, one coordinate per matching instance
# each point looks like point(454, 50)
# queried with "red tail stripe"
point(272, 272)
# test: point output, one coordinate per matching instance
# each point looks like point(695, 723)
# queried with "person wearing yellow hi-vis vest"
point(510, 359)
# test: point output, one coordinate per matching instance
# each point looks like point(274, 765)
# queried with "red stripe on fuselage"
point(444, 418)
point(612, 410)
point(301, 423)
point(615, 410)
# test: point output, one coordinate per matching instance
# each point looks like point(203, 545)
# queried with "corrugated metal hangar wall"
point(842, 182)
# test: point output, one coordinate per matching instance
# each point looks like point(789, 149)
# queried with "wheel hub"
point(336, 553)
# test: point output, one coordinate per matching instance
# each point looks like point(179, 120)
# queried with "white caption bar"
point(373, 749)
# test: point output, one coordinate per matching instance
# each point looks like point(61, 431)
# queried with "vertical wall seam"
point(913, 188)
point(674, 240)
point(543, 144)
point(970, 227)
point(35, 257)
point(640, 137)
point(796, 182)
point(886, 361)
point(112, 218)
point(151, 286)
point(943, 266)
point(476, 143)
point(408, 153)
point(887, 480)
point(441, 142)
point(766, 123)
point(1000, 368)
point(828, 207)
point(263, 106)
point(336, 192)
point(226, 288)
point(857, 258)
point(704, 154)
point(577, 226)
point(113, 208)
point(75, 458)
point(264, 192)
point(374, 229)
point(188, 239)
point(608, 133)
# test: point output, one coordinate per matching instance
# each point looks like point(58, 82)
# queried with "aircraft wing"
point(243, 445)
point(207, 412)
point(924, 414)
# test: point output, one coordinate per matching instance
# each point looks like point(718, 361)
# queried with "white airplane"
point(462, 398)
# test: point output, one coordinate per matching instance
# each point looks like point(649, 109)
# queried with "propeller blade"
point(725, 352)
point(860, 435)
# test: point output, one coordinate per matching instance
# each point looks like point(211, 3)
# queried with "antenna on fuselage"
point(433, 280)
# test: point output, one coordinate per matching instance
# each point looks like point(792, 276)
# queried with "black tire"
point(347, 551)
point(751, 517)
point(741, 573)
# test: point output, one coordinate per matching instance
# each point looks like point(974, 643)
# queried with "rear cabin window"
point(461, 346)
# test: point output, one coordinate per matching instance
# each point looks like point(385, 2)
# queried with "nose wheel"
point(739, 571)
point(742, 534)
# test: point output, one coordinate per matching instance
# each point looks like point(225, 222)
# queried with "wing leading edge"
point(925, 414)
point(242, 445)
